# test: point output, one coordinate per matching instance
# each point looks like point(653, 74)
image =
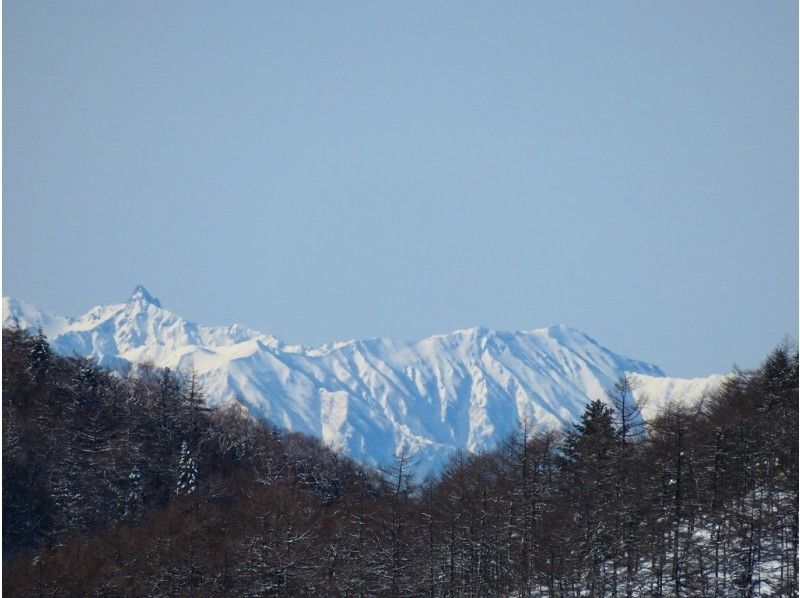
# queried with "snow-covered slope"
point(370, 398)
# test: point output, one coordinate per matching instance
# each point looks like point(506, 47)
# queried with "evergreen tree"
point(187, 472)
point(589, 452)
point(40, 356)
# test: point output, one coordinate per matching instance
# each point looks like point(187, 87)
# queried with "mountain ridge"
point(370, 397)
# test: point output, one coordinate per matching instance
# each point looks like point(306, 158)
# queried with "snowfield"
point(370, 398)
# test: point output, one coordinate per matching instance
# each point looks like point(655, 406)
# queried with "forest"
point(129, 485)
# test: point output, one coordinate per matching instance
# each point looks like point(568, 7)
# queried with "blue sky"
point(323, 171)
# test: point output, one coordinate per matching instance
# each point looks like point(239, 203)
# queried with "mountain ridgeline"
point(370, 398)
point(132, 485)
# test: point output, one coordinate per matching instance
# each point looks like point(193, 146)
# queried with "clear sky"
point(334, 170)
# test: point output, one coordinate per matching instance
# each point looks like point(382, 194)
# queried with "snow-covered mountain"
point(373, 397)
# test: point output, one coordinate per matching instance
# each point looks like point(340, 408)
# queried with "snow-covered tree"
point(40, 356)
point(187, 472)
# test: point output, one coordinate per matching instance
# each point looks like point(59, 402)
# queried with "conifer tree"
point(40, 356)
point(187, 472)
point(588, 466)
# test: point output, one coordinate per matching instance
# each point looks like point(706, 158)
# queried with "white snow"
point(372, 397)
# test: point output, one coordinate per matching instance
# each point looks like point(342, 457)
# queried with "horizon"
point(367, 171)
point(152, 299)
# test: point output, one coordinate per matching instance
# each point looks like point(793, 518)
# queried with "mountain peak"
point(141, 294)
point(465, 389)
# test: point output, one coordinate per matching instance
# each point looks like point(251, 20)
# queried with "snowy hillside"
point(370, 398)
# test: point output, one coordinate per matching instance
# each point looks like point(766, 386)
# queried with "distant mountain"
point(373, 397)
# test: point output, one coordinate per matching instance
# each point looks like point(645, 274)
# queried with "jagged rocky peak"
point(465, 389)
point(141, 294)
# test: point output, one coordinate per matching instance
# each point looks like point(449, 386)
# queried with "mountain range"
point(371, 398)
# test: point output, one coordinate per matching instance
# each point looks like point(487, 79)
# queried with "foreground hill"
point(371, 398)
point(126, 485)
